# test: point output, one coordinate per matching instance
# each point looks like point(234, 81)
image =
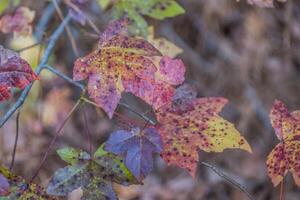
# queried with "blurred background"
point(247, 54)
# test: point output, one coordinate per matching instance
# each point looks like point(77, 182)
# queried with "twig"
point(143, 116)
point(58, 73)
point(88, 132)
point(57, 133)
point(16, 142)
point(228, 179)
point(52, 41)
point(69, 33)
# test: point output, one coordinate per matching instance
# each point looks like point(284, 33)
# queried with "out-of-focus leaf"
point(188, 124)
point(134, 9)
point(14, 72)
point(31, 55)
point(3, 5)
point(20, 23)
point(104, 3)
point(286, 155)
point(127, 64)
point(138, 146)
point(166, 47)
point(263, 3)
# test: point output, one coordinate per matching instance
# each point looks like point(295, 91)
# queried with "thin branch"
point(68, 79)
point(143, 116)
point(16, 142)
point(52, 41)
point(69, 33)
point(228, 179)
point(57, 133)
point(88, 132)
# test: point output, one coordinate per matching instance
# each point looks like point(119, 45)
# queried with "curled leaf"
point(14, 72)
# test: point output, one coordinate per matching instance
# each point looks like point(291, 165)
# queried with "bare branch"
point(228, 179)
point(52, 41)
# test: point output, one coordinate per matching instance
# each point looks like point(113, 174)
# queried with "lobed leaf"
point(127, 64)
point(286, 155)
point(14, 72)
point(188, 124)
point(138, 146)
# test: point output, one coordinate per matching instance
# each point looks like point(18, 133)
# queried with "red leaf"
point(14, 72)
point(127, 64)
point(188, 124)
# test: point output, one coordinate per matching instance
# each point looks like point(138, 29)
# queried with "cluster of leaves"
point(136, 9)
point(14, 187)
point(123, 63)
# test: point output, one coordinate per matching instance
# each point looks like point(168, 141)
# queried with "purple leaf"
point(138, 146)
point(4, 185)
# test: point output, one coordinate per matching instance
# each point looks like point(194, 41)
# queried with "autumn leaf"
point(188, 124)
point(20, 23)
point(94, 175)
point(127, 64)
point(14, 72)
point(138, 146)
point(13, 187)
point(286, 155)
point(166, 47)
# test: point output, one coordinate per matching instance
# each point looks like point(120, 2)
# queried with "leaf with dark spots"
point(72, 156)
point(138, 146)
point(127, 64)
point(190, 124)
point(20, 23)
point(13, 187)
point(14, 72)
point(93, 174)
point(286, 155)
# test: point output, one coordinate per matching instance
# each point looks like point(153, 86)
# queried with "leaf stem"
point(57, 133)
point(282, 190)
point(88, 132)
point(16, 142)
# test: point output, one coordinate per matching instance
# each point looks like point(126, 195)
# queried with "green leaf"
point(116, 165)
point(3, 5)
point(103, 4)
point(72, 155)
point(164, 9)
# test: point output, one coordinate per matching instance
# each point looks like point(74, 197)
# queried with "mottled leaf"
point(14, 72)
point(188, 124)
point(166, 47)
point(13, 187)
point(138, 146)
point(94, 175)
point(19, 23)
point(286, 155)
point(127, 64)
point(72, 156)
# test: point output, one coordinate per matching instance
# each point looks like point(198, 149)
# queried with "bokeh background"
point(247, 54)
